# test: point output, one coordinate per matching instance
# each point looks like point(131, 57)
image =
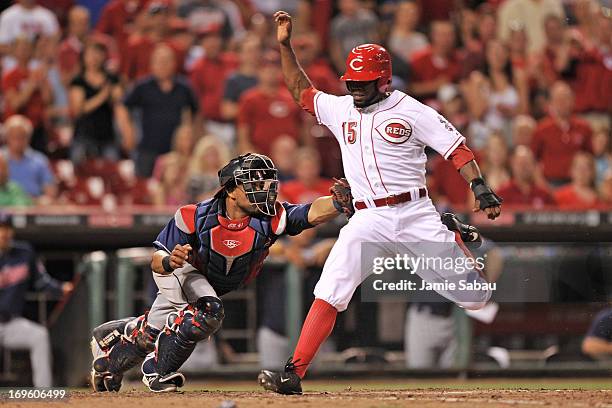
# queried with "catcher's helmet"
point(369, 62)
point(257, 175)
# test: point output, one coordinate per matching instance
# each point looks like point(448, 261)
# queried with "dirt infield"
point(580, 393)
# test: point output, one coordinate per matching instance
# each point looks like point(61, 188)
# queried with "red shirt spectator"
point(34, 108)
point(268, 116)
point(555, 145)
point(522, 189)
point(567, 198)
point(117, 20)
point(448, 184)
point(209, 73)
point(437, 64)
point(580, 194)
point(560, 135)
point(534, 196)
point(308, 185)
point(136, 62)
point(295, 191)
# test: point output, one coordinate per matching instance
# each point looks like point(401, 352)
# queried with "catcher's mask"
point(258, 177)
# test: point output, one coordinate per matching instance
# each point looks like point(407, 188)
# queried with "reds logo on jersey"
point(396, 131)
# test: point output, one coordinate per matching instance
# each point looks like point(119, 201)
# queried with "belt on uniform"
point(393, 199)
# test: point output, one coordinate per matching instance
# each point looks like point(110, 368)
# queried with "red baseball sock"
point(317, 327)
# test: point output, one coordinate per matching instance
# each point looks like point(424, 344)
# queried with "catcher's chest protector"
point(230, 252)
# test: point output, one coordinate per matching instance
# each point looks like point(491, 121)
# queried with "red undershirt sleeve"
point(461, 156)
point(307, 100)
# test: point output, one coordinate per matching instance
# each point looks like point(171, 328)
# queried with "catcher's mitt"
point(342, 197)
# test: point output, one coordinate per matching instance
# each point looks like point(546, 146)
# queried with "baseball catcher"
point(205, 251)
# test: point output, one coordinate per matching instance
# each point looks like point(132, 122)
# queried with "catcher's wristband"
point(166, 264)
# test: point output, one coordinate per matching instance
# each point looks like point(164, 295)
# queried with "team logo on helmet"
point(396, 131)
point(353, 64)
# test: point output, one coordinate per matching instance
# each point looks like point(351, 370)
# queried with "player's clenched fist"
point(179, 256)
point(283, 27)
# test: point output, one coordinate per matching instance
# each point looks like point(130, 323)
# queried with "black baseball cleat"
point(469, 234)
point(165, 383)
point(286, 382)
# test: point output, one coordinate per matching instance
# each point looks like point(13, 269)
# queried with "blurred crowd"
point(141, 101)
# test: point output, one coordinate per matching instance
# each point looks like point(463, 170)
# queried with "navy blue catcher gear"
point(125, 352)
point(183, 330)
point(230, 253)
point(257, 175)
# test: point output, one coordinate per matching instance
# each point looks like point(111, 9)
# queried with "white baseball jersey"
point(383, 145)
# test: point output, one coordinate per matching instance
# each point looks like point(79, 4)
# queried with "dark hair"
point(98, 46)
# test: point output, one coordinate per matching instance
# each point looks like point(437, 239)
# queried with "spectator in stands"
point(598, 340)
point(452, 107)
point(354, 25)
point(94, 93)
point(495, 164)
point(601, 152)
point(11, 194)
point(308, 182)
point(182, 146)
point(267, 111)
point(477, 28)
point(208, 76)
point(27, 91)
point(72, 46)
point(567, 57)
point(27, 167)
point(522, 189)
point(531, 15)
point(24, 19)
point(403, 38)
point(208, 157)
point(523, 127)
point(165, 101)
point(171, 188)
point(135, 63)
point(19, 270)
point(307, 49)
point(497, 95)
point(118, 20)
point(283, 153)
point(580, 194)
point(560, 135)
point(437, 65)
point(243, 79)
point(207, 15)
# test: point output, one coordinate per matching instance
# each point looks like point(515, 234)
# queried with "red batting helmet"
point(369, 62)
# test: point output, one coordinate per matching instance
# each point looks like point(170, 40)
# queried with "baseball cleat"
point(164, 383)
point(286, 382)
point(469, 234)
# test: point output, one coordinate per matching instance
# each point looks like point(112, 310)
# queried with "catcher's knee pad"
point(134, 344)
point(184, 329)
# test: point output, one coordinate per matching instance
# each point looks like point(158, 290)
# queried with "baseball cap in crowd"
point(6, 220)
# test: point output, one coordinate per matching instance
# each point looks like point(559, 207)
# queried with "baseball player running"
point(382, 136)
point(204, 252)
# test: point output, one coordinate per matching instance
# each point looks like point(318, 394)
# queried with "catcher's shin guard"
point(121, 353)
point(184, 329)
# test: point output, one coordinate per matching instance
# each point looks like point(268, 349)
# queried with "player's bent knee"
point(199, 321)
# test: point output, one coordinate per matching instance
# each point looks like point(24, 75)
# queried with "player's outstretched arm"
point(486, 199)
point(322, 210)
point(295, 78)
